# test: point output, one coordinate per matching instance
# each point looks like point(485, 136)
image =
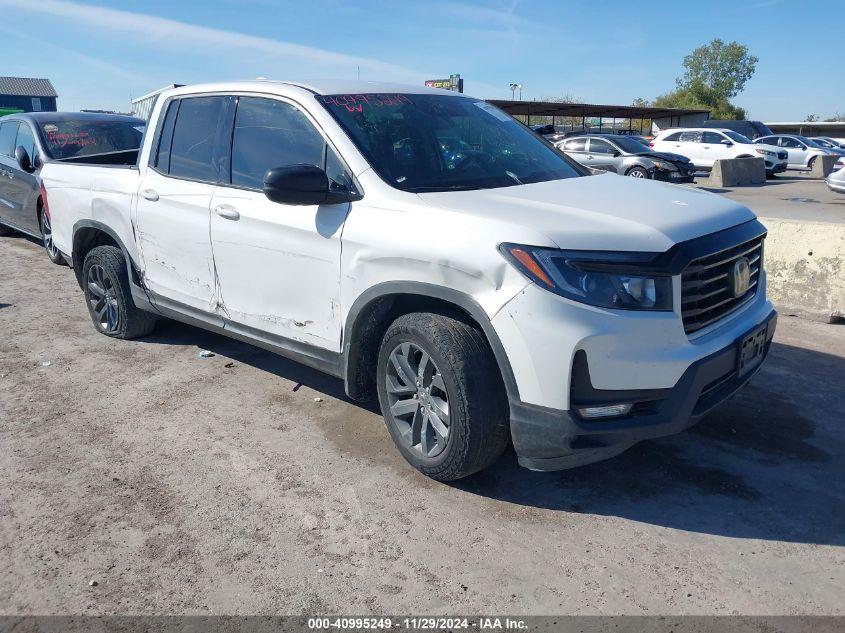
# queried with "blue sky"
point(99, 53)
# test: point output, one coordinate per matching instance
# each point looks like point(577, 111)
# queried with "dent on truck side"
point(405, 249)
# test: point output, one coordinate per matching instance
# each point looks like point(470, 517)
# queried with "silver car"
point(829, 143)
point(628, 157)
point(836, 180)
point(802, 151)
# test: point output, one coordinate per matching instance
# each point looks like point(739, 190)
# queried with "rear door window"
point(162, 158)
point(575, 145)
point(690, 137)
point(598, 146)
point(8, 132)
point(193, 146)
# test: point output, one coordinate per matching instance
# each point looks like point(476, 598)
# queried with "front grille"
point(706, 293)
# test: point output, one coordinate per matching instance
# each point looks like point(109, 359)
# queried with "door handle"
point(227, 212)
point(150, 194)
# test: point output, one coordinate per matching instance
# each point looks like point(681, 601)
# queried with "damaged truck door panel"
point(434, 254)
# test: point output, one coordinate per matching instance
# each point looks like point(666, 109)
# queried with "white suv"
point(433, 253)
point(801, 151)
point(705, 146)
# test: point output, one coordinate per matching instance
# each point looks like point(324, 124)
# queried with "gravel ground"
point(186, 485)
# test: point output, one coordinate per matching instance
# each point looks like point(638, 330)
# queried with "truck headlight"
point(603, 279)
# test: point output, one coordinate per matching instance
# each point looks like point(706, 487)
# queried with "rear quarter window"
point(673, 137)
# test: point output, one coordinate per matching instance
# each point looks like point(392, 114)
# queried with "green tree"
point(720, 68)
point(713, 75)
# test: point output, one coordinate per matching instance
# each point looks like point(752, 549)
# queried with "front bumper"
point(680, 176)
point(551, 439)
point(775, 168)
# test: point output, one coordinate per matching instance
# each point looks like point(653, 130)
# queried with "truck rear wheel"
point(109, 298)
point(442, 395)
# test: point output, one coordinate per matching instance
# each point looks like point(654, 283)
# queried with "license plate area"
point(751, 349)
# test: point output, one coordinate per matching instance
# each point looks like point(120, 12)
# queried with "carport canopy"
point(584, 111)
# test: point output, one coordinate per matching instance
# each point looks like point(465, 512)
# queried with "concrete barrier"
point(805, 265)
point(735, 172)
point(823, 166)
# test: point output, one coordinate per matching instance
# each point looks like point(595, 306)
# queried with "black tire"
point(811, 162)
point(478, 421)
point(104, 270)
point(637, 172)
point(53, 254)
point(5, 230)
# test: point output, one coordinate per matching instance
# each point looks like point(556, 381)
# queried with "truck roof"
point(317, 86)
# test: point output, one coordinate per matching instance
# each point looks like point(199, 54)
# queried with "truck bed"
point(85, 192)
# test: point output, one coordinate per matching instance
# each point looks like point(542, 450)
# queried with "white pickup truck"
point(433, 253)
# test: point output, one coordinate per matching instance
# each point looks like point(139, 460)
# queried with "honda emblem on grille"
point(740, 276)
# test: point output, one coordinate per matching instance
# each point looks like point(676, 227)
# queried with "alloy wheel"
point(102, 299)
point(47, 232)
point(419, 404)
point(637, 173)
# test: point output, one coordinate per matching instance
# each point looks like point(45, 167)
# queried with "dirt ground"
point(188, 485)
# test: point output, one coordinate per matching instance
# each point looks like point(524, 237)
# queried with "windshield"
point(630, 144)
point(70, 138)
point(737, 137)
point(808, 141)
point(421, 143)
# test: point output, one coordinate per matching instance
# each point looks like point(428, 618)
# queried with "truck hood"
point(603, 212)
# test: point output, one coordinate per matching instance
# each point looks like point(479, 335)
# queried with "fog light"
point(607, 411)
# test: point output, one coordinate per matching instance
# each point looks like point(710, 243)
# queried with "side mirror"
point(300, 185)
point(616, 153)
point(726, 143)
point(22, 157)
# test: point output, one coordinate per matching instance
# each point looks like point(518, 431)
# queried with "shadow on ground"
point(767, 464)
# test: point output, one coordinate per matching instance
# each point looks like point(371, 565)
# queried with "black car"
point(749, 129)
point(28, 140)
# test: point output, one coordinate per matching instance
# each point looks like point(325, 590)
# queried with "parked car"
point(836, 180)
point(749, 129)
point(836, 142)
point(28, 141)
point(483, 293)
point(828, 144)
point(802, 152)
point(549, 132)
point(704, 147)
point(628, 157)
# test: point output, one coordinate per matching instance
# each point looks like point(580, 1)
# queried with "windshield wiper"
point(445, 188)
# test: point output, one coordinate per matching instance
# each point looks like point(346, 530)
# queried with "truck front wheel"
point(442, 395)
point(109, 298)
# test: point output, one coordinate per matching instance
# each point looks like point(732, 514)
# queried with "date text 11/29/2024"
point(491, 623)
